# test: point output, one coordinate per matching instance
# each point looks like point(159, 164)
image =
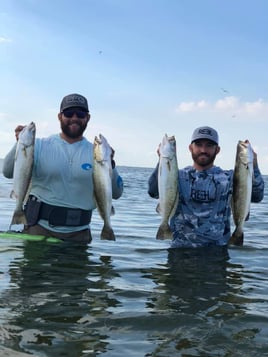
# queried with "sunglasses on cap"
point(71, 112)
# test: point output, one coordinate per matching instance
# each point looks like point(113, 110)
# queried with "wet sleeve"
point(9, 161)
point(258, 186)
point(153, 184)
point(117, 184)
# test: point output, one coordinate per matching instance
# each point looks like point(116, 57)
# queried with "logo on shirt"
point(200, 195)
point(86, 166)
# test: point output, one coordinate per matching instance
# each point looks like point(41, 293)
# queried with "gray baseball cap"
point(205, 132)
point(74, 100)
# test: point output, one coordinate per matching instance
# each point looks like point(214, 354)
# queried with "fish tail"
point(164, 232)
point(107, 233)
point(237, 237)
point(19, 218)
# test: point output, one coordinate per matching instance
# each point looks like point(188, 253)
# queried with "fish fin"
point(107, 233)
point(164, 232)
point(28, 192)
point(174, 209)
point(19, 218)
point(112, 211)
point(13, 194)
point(237, 237)
point(158, 208)
point(247, 216)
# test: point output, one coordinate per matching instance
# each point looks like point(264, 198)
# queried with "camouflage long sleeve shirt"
point(203, 214)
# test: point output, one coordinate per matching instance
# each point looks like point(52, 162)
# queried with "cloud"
point(192, 106)
point(227, 105)
point(5, 39)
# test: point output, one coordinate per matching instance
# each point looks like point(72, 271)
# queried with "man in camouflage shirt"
point(203, 214)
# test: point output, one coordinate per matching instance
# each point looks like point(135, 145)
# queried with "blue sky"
point(147, 67)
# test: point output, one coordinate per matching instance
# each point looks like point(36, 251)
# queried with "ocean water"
point(133, 297)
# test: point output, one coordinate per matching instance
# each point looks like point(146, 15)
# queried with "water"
point(133, 297)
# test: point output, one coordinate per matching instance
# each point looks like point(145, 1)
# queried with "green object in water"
point(19, 235)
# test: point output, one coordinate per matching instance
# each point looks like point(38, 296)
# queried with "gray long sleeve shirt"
point(63, 175)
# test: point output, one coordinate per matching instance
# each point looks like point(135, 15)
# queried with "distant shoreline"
point(119, 166)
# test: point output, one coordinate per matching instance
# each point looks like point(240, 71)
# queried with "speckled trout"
point(167, 185)
point(23, 171)
point(102, 177)
point(242, 189)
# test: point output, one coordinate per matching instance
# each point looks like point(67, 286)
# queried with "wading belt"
point(64, 216)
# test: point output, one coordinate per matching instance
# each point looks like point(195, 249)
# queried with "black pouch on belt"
point(68, 217)
point(63, 216)
point(32, 209)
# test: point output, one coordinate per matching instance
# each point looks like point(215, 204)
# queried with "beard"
point(204, 160)
point(73, 132)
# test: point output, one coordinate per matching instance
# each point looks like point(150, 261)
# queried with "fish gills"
point(167, 185)
point(102, 178)
point(242, 190)
point(22, 174)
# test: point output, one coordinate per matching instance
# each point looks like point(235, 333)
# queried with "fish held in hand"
point(167, 185)
point(242, 190)
point(22, 174)
point(102, 177)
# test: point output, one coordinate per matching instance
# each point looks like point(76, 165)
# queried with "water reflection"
point(61, 300)
point(191, 280)
point(193, 299)
point(196, 278)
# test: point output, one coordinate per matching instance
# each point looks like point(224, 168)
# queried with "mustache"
point(78, 122)
point(203, 154)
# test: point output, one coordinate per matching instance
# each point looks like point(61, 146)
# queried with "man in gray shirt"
point(62, 190)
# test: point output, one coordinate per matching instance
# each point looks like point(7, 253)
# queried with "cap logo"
point(75, 98)
point(205, 132)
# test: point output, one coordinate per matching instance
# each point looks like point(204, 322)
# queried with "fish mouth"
point(31, 125)
point(244, 143)
point(98, 139)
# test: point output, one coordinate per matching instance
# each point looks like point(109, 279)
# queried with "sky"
point(147, 67)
